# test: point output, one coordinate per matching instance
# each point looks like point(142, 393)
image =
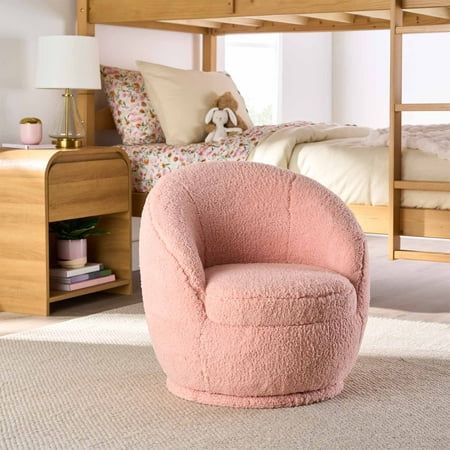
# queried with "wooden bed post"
point(209, 54)
point(86, 99)
point(395, 143)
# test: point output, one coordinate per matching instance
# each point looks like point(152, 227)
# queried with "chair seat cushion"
point(276, 295)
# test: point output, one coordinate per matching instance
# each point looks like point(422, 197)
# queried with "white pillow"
point(181, 99)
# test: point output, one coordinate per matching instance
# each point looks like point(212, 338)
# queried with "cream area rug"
point(94, 382)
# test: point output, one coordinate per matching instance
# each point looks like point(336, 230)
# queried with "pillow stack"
point(173, 103)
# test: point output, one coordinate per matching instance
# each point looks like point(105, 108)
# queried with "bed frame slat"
point(422, 107)
point(441, 12)
point(333, 17)
point(202, 23)
point(437, 28)
point(291, 19)
point(422, 256)
point(381, 15)
point(412, 185)
point(244, 21)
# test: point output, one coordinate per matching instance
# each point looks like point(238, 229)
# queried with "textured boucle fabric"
point(255, 285)
point(276, 294)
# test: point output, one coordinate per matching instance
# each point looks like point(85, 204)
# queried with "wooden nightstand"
point(42, 186)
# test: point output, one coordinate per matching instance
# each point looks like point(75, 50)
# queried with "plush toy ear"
point(232, 116)
point(210, 114)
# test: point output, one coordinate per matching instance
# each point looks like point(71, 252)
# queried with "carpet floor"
point(94, 382)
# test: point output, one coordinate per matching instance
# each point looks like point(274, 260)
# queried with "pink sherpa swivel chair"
point(255, 285)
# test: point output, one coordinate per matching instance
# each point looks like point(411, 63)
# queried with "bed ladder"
point(397, 107)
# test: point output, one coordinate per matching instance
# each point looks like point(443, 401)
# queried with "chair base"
point(276, 401)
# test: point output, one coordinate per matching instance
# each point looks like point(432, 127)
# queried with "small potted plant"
point(71, 244)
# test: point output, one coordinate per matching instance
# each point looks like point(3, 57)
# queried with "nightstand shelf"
point(38, 187)
point(56, 296)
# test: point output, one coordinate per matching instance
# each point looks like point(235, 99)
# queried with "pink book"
point(83, 284)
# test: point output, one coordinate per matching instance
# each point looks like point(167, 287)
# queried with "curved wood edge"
point(31, 161)
point(24, 238)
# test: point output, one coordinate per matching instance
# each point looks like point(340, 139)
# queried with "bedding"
point(347, 162)
point(340, 158)
point(151, 162)
point(182, 98)
point(434, 139)
point(133, 115)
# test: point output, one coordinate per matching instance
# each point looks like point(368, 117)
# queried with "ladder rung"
point(440, 28)
point(441, 186)
point(422, 256)
point(422, 107)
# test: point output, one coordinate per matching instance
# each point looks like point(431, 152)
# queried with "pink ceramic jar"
point(30, 131)
point(71, 253)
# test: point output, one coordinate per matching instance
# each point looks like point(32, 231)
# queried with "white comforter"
point(277, 148)
point(354, 167)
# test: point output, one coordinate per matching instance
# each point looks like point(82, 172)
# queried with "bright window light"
point(253, 61)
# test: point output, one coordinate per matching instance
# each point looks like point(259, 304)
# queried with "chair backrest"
point(243, 209)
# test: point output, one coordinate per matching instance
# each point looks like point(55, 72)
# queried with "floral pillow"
point(132, 112)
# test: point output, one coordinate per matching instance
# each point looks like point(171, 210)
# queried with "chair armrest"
point(323, 232)
point(170, 250)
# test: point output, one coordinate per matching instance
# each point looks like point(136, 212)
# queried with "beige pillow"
point(181, 99)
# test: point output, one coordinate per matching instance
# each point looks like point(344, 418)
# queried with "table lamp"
point(68, 62)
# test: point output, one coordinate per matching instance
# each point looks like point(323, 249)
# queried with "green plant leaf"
point(77, 228)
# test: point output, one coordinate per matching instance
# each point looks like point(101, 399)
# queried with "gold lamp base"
point(69, 130)
point(68, 143)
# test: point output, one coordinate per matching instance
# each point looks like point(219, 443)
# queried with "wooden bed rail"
point(244, 16)
point(119, 11)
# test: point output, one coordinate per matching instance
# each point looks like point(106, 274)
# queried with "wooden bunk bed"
point(219, 17)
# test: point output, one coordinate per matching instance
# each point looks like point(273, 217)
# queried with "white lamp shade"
point(68, 62)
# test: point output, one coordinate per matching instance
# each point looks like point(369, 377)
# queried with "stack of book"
point(91, 274)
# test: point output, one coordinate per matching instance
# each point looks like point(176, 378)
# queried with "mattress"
point(356, 173)
point(359, 174)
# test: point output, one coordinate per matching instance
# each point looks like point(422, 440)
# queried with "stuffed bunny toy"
point(219, 117)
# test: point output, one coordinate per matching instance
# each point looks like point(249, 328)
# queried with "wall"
point(19, 30)
point(122, 46)
point(361, 76)
point(306, 77)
